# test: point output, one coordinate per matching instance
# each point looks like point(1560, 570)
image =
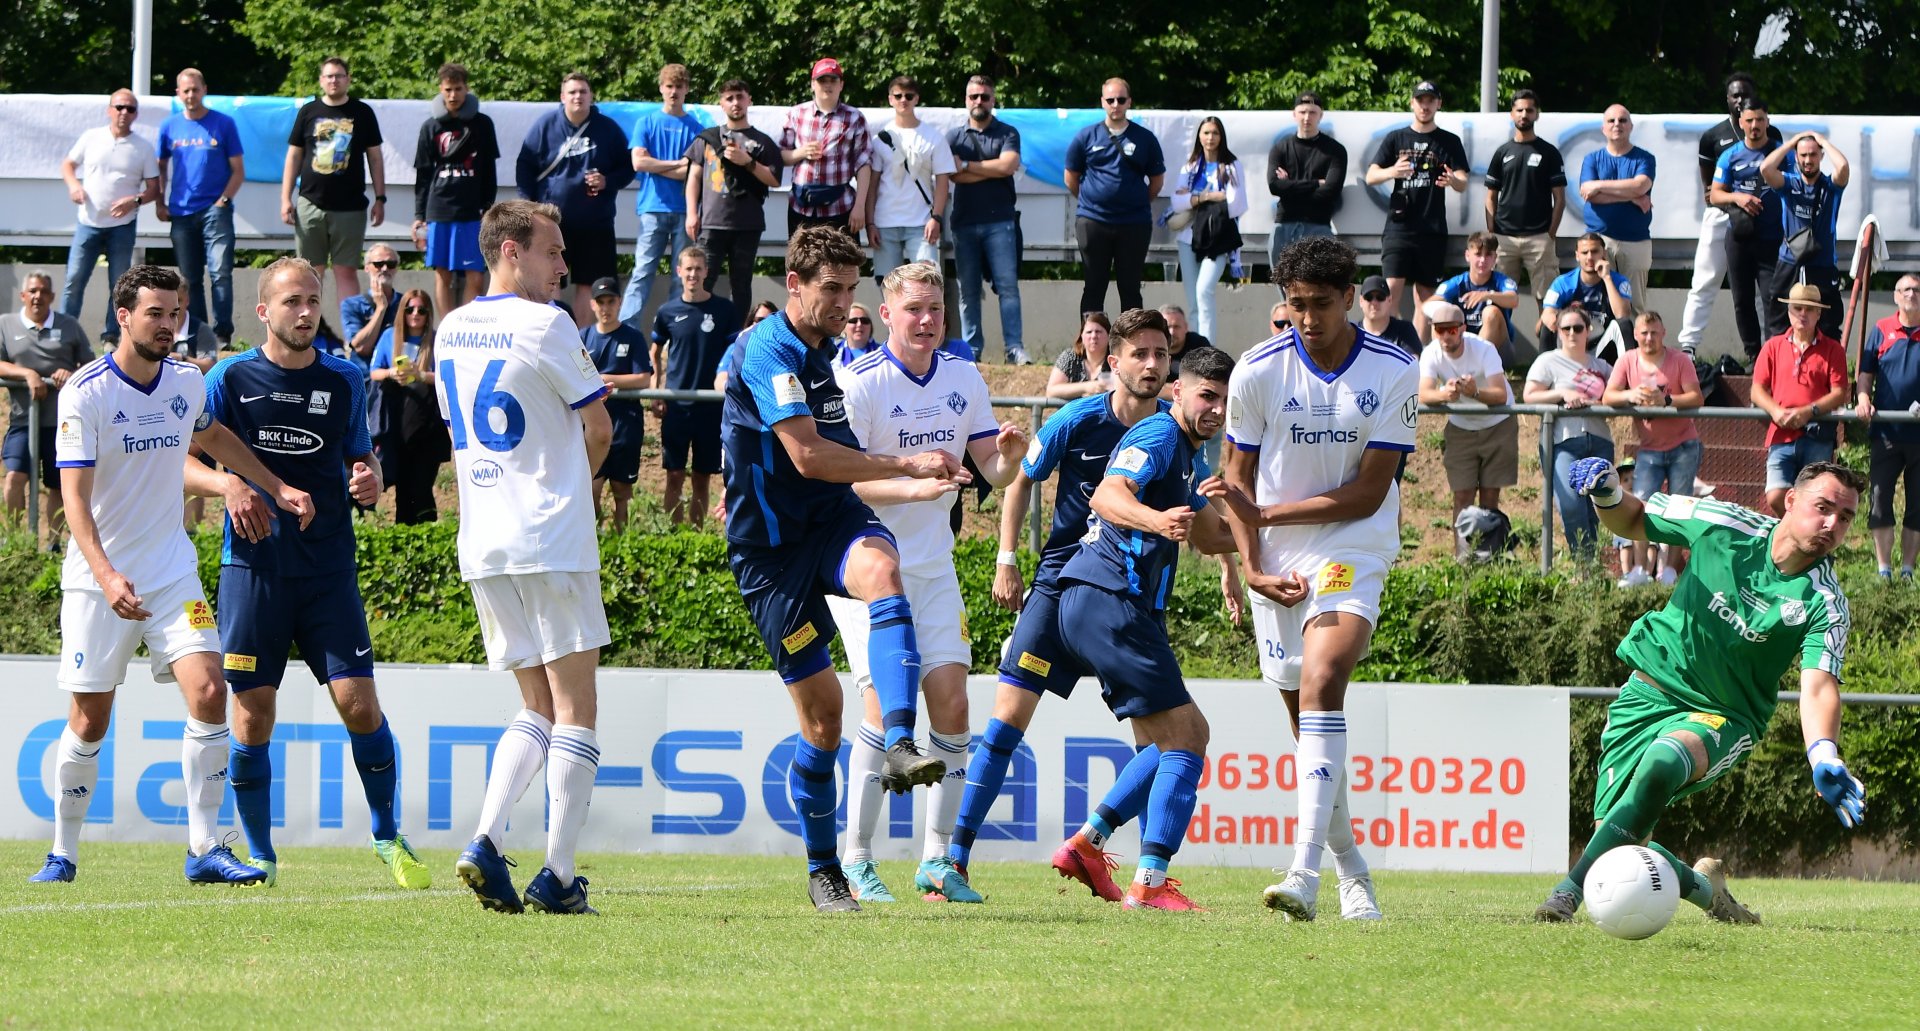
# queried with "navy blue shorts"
point(262, 616)
point(454, 246)
point(786, 587)
point(692, 427)
point(622, 464)
point(1124, 644)
point(1036, 657)
point(13, 454)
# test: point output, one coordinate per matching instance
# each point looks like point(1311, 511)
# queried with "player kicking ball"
point(130, 575)
point(301, 412)
point(797, 532)
point(901, 398)
point(1320, 417)
point(1758, 594)
point(1078, 441)
point(527, 411)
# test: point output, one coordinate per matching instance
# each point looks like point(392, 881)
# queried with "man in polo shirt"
point(986, 228)
point(110, 172)
point(1616, 182)
point(1800, 376)
point(828, 145)
point(1114, 170)
point(42, 347)
point(1890, 382)
point(201, 168)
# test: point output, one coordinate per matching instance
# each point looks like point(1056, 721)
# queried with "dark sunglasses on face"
point(415, 309)
point(384, 264)
point(906, 96)
point(1574, 327)
point(1114, 100)
point(979, 96)
point(1281, 323)
point(126, 107)
point(860, 321)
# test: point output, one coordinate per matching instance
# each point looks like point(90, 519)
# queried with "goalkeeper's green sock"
point(1693, 887)
point(1664, 769)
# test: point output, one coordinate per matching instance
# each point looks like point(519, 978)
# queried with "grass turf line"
point(703, 941)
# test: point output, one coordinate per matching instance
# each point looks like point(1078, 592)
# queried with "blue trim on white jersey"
point(1384, 445)
point(87, 464)
point(933, 367)
point(591, 398)
point(146, 389)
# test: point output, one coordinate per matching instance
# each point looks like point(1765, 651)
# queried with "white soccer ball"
point(1632, 892)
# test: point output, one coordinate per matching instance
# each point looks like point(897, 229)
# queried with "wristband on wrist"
point(1006, 558)
point(1823, 750)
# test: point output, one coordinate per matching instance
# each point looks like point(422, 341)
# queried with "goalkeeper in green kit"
point(1757, 594)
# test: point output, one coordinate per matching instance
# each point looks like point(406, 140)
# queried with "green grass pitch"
point(696, 941)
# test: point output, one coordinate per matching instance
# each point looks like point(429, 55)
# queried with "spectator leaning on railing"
point(1082, 370)
point(42, 347)
point(1570, 376)
point(1654, 375)
point(1800, 376)
point(1890, 382)
point(1481, 452)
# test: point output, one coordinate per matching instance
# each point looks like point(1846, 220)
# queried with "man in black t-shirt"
point(1710, 263)
point(1422, 161)
point(454, 183)
point(690, 334)
point(334, 146)
point(730, 168)
point(1526, 195)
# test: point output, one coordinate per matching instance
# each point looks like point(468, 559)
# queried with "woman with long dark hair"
point(408, 435)
point(1212, 187)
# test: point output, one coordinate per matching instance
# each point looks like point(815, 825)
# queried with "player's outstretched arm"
point(1114, 501)
point(1621, 512)
point(999, 456)
point(901, 490)
point(1009, 588)
point(252, 519)
point(1357, 498)
point(818, 458)
point(1820, 727)
point(229, 451)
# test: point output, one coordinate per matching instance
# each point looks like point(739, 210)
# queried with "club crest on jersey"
point(1793, 611)
point(1368, 401)
point(706, 324)
point(179, 406)
point(956, 402)
point(320, 402)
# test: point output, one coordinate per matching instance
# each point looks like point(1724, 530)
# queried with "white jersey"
point(135, 439)
point(893, 412)
point(510, 374)
point(1312, 426)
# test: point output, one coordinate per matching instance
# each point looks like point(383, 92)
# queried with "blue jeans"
point(902, 244)
point(203, 244)
point(89, 242)
point(663, 234)
point(1200, 275)
point(991, 249)
point(1286, 233)
point(1577, 517)
point(1674, 467)
point(1784, 461)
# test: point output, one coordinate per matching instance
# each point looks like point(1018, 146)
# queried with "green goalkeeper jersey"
point(1735, 622)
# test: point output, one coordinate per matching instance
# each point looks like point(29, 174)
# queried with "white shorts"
point(96, 644)
point(939, 625)
point(1346, 582)
point(530, 619)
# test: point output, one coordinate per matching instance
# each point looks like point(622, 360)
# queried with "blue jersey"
point(1077, 441)
point(1462, 285)
point(1814, 206)
point(768, 502)
point(1738, 170)
point(303, 424)
point(622, 352)
point(695, 337)
point(1157, 456)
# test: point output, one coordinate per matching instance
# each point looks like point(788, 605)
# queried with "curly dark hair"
point(1320, 260)
point(815, 247)
point(1207, 363)
point(126, 290)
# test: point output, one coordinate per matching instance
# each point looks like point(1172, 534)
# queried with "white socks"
point(203, 765)
point(1347, 859)
point(943, 798)
point(76, 769)
point(864, 793)
point(572, 761)
point(1321, 759)
point(515, 760)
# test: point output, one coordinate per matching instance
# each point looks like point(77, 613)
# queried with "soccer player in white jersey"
point(131, 575)
point(902, 399)
point(1319, 416)
point(527, 411)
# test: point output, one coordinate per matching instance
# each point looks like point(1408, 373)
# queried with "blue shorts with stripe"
point(262, 616)
point(786, 586)
point(1073, 630)
point(1036, 656)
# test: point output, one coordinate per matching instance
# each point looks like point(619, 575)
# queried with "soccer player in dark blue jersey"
point(1077, 441)
point(797, 532)
point(303, 413)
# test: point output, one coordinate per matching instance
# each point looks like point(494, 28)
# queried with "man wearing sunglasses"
point(986, 226)
point(1114, 170)
point(110, 172)
point(906, 209)
point(364, 316)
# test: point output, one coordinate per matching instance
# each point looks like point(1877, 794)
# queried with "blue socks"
point(373, 757)
point(250, 771)
point(1128, 796)
point(985, 774)
point(810, 783)
point(1169, 808)
point(893, 661)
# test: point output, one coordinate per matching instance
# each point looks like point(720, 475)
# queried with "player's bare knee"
point(1014, 705)
point(1696, 751)
point(90, 715)
point(946, 693)
point(358, 705)
point(255, 709)
point(873, 571)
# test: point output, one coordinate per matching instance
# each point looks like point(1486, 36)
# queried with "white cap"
point(1439, 310)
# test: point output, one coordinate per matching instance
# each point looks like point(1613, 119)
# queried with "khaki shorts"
point(328, 237)
point(1477, 459)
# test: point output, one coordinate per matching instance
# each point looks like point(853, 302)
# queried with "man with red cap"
point(827, 143)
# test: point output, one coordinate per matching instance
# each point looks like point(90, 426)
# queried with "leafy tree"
point(86, 46)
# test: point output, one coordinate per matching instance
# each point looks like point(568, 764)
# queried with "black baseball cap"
point(1426, 89)
point(1308, 97)
point(606, 286)
point(1374, 285)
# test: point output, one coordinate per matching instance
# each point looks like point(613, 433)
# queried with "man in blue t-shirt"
point(619, 351)
point(690, 336)
point(201, 168)
point(1751, 210)
point(1616, 184)
point(1114, 170)
point(1809, 225)
point(1605, 294)
point(302, 413)
point(660, 140)
point(797, 532)
point(1485, 294)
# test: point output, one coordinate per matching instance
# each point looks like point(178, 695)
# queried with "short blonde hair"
point(912, 272)
point(283, 265)
point(511, 220)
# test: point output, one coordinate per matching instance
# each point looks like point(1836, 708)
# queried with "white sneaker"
point(1667, 575)
point(1356, 899)
point(1295, 895)
point(1635, 577)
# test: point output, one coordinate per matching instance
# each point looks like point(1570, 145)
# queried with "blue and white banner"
point(1440, 777)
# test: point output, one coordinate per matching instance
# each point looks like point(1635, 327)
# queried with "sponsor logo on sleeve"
point(787, 389)
point(1410, 411)
point(1128, 462)
point(69, 435)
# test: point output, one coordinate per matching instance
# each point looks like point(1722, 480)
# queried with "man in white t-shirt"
point(526, 408)
point(131, 576)
point(1319, 416)
point(902, 399)
point(110, 172)
point(1482, 452)
point(906, 210)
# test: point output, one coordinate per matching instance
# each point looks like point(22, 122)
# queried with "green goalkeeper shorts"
point(1644, 713)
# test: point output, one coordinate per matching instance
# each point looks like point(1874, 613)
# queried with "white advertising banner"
point(1441, 777)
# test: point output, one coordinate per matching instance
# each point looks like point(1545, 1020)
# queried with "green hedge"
point(672, 603)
